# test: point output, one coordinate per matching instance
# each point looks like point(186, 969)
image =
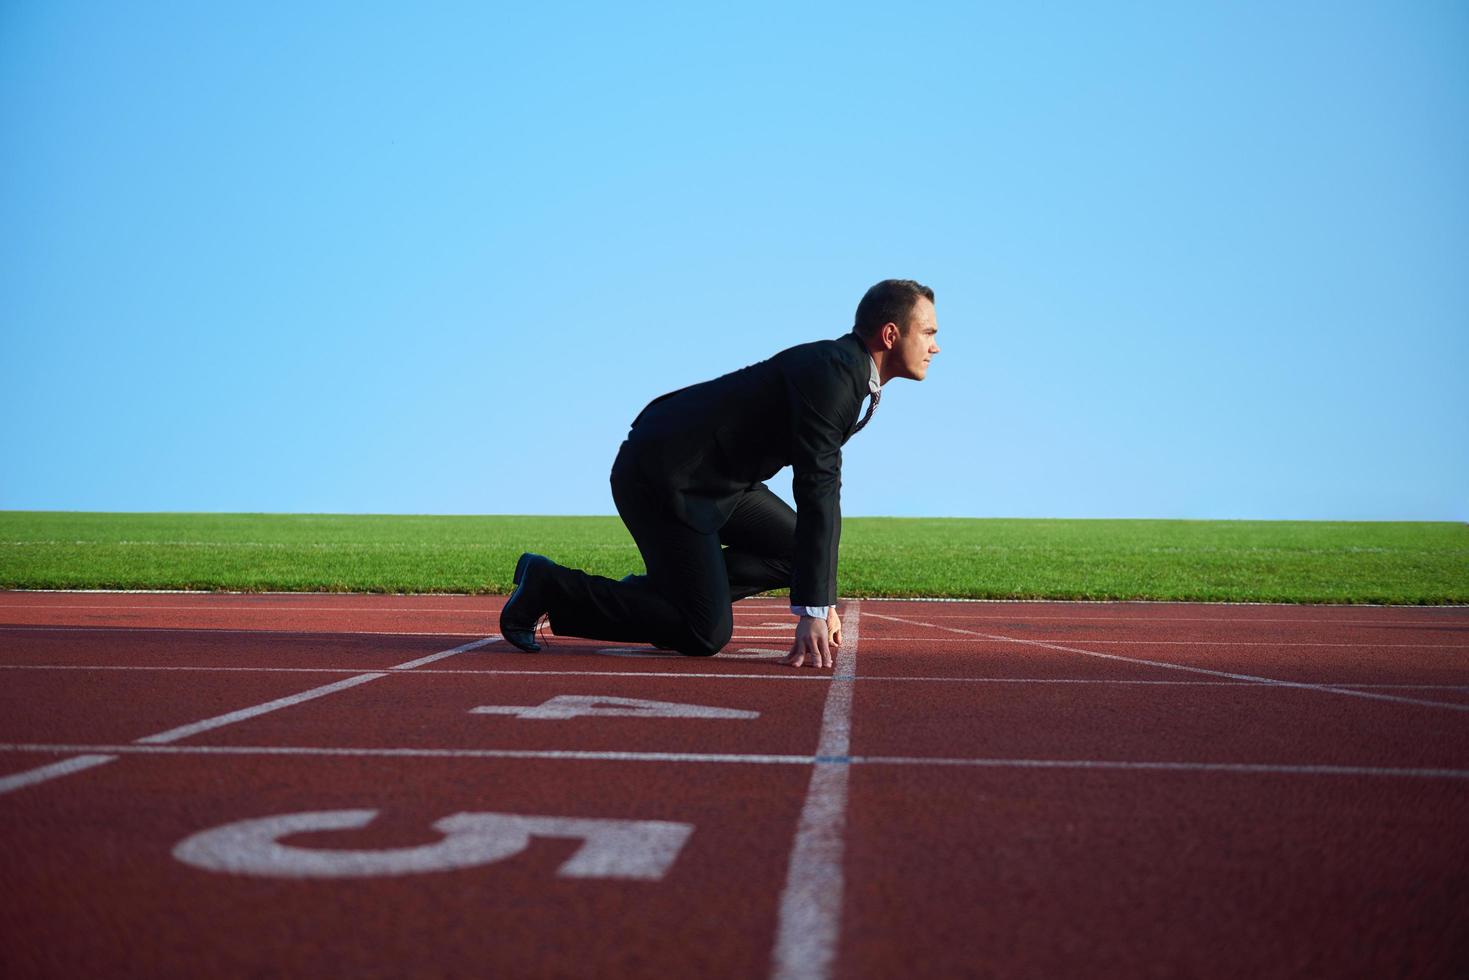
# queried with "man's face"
point(914, 349)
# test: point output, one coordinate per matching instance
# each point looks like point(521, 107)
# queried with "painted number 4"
point(564, 706)
point(635, 849)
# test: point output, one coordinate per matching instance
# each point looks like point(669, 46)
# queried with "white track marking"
point(649, 653)
point(248, 607)
point(1449, 706)
point(64, 768)
point(809, 923)
point(230, 718)
point(1240, 768)
point(758, 654)
point(652, 653)
point(211, 669)
point(564, 706)
point(184, 731)
point(785, 674)
point(1451, 613)
point(255, 607)
point(640, 850)
point(759, 636)
point(443, 654)
point(324, 634)
point(573, 755)
point(568, 755)
point(1447, 616)
point(1187, 643)
point(1120, 682)
point(1246, 643)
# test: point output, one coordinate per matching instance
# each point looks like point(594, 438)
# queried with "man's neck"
point(879, 355)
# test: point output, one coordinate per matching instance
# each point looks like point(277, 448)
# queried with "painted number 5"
point(635, 849)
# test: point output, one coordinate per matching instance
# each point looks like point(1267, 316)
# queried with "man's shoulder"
point(846, 350)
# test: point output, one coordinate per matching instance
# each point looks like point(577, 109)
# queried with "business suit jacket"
point(701, 447)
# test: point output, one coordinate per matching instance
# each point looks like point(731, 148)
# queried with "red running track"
point(311, 785)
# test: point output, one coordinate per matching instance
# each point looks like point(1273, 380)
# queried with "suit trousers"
point(683, 602)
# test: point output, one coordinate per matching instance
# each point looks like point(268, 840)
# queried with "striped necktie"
point(871, 407)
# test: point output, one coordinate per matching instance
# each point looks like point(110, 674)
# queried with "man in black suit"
point(689, 484)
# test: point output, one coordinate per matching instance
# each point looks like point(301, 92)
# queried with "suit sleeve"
point(824, 405)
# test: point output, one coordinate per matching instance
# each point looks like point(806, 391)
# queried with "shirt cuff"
point(816, 612)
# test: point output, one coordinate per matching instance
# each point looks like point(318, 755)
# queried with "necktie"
point(871, 407)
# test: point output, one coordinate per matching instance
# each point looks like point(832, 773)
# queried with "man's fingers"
point(803, 653)
point(821, 654)
point(813, 644)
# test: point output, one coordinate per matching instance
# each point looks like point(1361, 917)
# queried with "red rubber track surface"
point(1030, 790)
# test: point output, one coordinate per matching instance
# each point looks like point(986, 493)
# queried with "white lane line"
point(229, 718)
point(1256, 643)
point(786, 673)
point(245, 670)
point(760, 654)
point(1243, 768)
point(642, 652)
point(247, 607)
point(570, 755)
point(672, 654)
point(1120, 682)
point(1023, 611)
point(275, 610)
point(1453, 615)
point(84, 762)
point(64, 768)
point(443, 654)
point(1447, 705)
point(326, 635)
point(337, 634)
point(1189, 643)
point(574, 755)
point(809, 922)
point(206, 629)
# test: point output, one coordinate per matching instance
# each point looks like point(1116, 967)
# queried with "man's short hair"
point(890, 301)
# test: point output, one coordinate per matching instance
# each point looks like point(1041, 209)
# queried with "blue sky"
point(1192, 260)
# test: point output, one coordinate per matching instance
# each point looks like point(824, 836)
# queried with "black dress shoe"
point(528, 603)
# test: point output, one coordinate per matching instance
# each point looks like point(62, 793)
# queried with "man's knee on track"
point(708, 642)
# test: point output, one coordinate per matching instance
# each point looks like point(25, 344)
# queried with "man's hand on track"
point(813, 644)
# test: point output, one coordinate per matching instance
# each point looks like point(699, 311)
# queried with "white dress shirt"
point(874, 385)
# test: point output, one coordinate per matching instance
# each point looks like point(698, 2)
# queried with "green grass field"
point(1275, 561)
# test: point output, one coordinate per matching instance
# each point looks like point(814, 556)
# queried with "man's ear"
point(890, 335)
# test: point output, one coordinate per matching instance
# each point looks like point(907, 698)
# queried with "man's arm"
point(824, 403)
